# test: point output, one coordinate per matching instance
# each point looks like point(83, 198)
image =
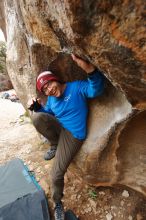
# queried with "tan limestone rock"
point(111, 35)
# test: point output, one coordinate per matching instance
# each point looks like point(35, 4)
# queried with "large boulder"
point(5, 82)
point(2, 18)
point(111, 35)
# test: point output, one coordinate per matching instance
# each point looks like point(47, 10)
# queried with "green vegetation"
point(92, 193)
point(2, 57)
point(26, 114)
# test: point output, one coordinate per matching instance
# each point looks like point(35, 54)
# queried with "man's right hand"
point(34, 104)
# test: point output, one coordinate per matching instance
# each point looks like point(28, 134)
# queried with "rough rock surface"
point(111, 35)
point(2, 18)
point(5, 83)
point(19, 139)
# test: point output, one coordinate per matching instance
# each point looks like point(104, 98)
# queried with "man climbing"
point(62, 120)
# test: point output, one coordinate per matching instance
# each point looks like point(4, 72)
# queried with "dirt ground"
point(18, 138)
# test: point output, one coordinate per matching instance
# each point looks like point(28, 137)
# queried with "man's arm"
point(46, 108)
point(35, 105)
point(94, 85)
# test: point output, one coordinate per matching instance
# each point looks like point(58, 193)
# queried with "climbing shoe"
point(50, 153)
point(59, 211)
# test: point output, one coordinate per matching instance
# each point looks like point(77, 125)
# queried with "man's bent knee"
point(37, 118)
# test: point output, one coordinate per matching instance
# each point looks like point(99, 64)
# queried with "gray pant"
point(67, 148)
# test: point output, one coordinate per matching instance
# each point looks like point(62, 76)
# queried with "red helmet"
point(43, 78)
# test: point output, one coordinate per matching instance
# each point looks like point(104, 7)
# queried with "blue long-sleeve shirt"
point(71, 107)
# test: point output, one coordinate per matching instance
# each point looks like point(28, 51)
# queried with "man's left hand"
point(87, 67)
